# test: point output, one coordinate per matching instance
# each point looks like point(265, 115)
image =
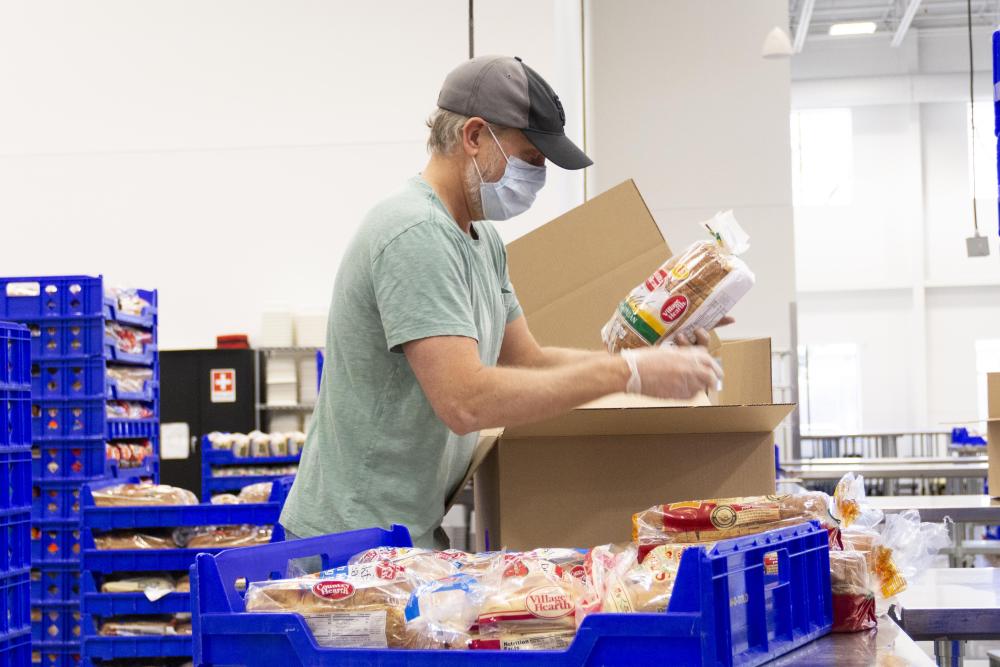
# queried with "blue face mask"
point(515, 192)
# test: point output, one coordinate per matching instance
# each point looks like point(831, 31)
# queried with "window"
point(829, 389)
point(987, 361)
point(822, 157)
point(984, 156)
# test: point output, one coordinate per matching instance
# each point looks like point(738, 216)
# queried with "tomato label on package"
point(673, 308)
point(333, 590)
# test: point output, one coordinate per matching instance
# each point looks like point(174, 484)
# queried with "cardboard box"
point(993, 432)
point(575, 480)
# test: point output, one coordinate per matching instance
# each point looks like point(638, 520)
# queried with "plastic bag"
point(130, 378)
point(209, 537)
point(127, 299)
point(905, 547)
point(146, 626)
point(256, 493)
point(445, 611)
point(156, 585)
point(128, 339)
point(849, 507)
point(528, 595)
point(143, 494)
point(420, 565)
point(690, 291)
point(128, 410)
point(129, 455)
point(717, 519)
point(355, 606)
point(853, 597)
point(132, 540)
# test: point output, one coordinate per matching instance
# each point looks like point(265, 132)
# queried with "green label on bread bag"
point(630, 313)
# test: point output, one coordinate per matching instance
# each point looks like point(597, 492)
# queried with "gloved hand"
point(671, 372)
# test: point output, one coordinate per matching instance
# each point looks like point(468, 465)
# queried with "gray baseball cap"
point(505, 91)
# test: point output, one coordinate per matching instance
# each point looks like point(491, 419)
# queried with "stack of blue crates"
point(70, 320)
point(15, 494)
point(212, 459)
point(99, 564)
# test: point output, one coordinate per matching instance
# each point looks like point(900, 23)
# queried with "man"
point(426, 341)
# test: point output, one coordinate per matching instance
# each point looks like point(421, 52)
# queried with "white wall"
point(680, 99)
point(889, 272)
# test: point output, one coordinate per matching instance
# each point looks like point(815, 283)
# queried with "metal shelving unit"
point(260, 361)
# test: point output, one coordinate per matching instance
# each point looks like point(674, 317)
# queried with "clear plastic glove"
point(671, 372)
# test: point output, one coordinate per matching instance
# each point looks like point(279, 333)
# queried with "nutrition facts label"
point(357, 630)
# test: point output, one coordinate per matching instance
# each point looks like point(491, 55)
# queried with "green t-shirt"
point(376, 454)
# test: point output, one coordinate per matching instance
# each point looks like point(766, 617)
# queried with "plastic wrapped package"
point(157, 585)
point(692, 290)
point(260, 445)
point(256, 493)
point(296, 441)
point(146, 626)
point(208, 537)
point(130, 378)
point(905, 547)
point(355, 606)
point(116, 540)
point(128, 339)
point(444, 612)
point(143, 494)
point(241, 445)
point(723, 518)
point(225, 499)
point(420, 565)
point(128, 410)
point(278, 444)
point(129, 454)
point(184, 584)
point(849, 507)
point(853, 597)
point(127, 300)
point(222, 441)
point(527, 596)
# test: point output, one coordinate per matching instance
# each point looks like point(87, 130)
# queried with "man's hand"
point(674, 372)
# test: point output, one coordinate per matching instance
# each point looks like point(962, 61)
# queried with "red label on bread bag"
point(656, 280)
point(333, 590)
point(674, 308)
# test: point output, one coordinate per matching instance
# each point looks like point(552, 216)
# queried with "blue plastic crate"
point(77, 418)
point(723, 611)
point(15, 418)
point(129, 604)
point(113, 518)
point(117, 648)
point(15, 535)
point(146, 320)
point(15, 346)
point(150, 391)
point(67, 338)
point(57, 583)
point(15, 649)
point(55, 654)
point(149, 469)
point(68, 378)
point(147, 357)
point(15, 480)
point(69, 460)
point(56, 622)
point(15, 595)
point(55, 501)
point(50, 296)
point(55, 542)
point(145, 560)
point(213, 485)
point(133, 429)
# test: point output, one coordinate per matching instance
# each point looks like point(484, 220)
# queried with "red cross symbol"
point(222, 381)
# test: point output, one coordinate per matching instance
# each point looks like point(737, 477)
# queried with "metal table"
point(890, 646)
point(888, 468)
point(950, 606)
point(962, 509)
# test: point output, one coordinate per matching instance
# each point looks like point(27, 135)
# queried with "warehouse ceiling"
point(891, 16)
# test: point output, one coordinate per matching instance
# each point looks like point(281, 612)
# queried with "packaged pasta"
point(692, 290)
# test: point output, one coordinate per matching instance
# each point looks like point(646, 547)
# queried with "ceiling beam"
point(802, 29)
point(904, 23)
